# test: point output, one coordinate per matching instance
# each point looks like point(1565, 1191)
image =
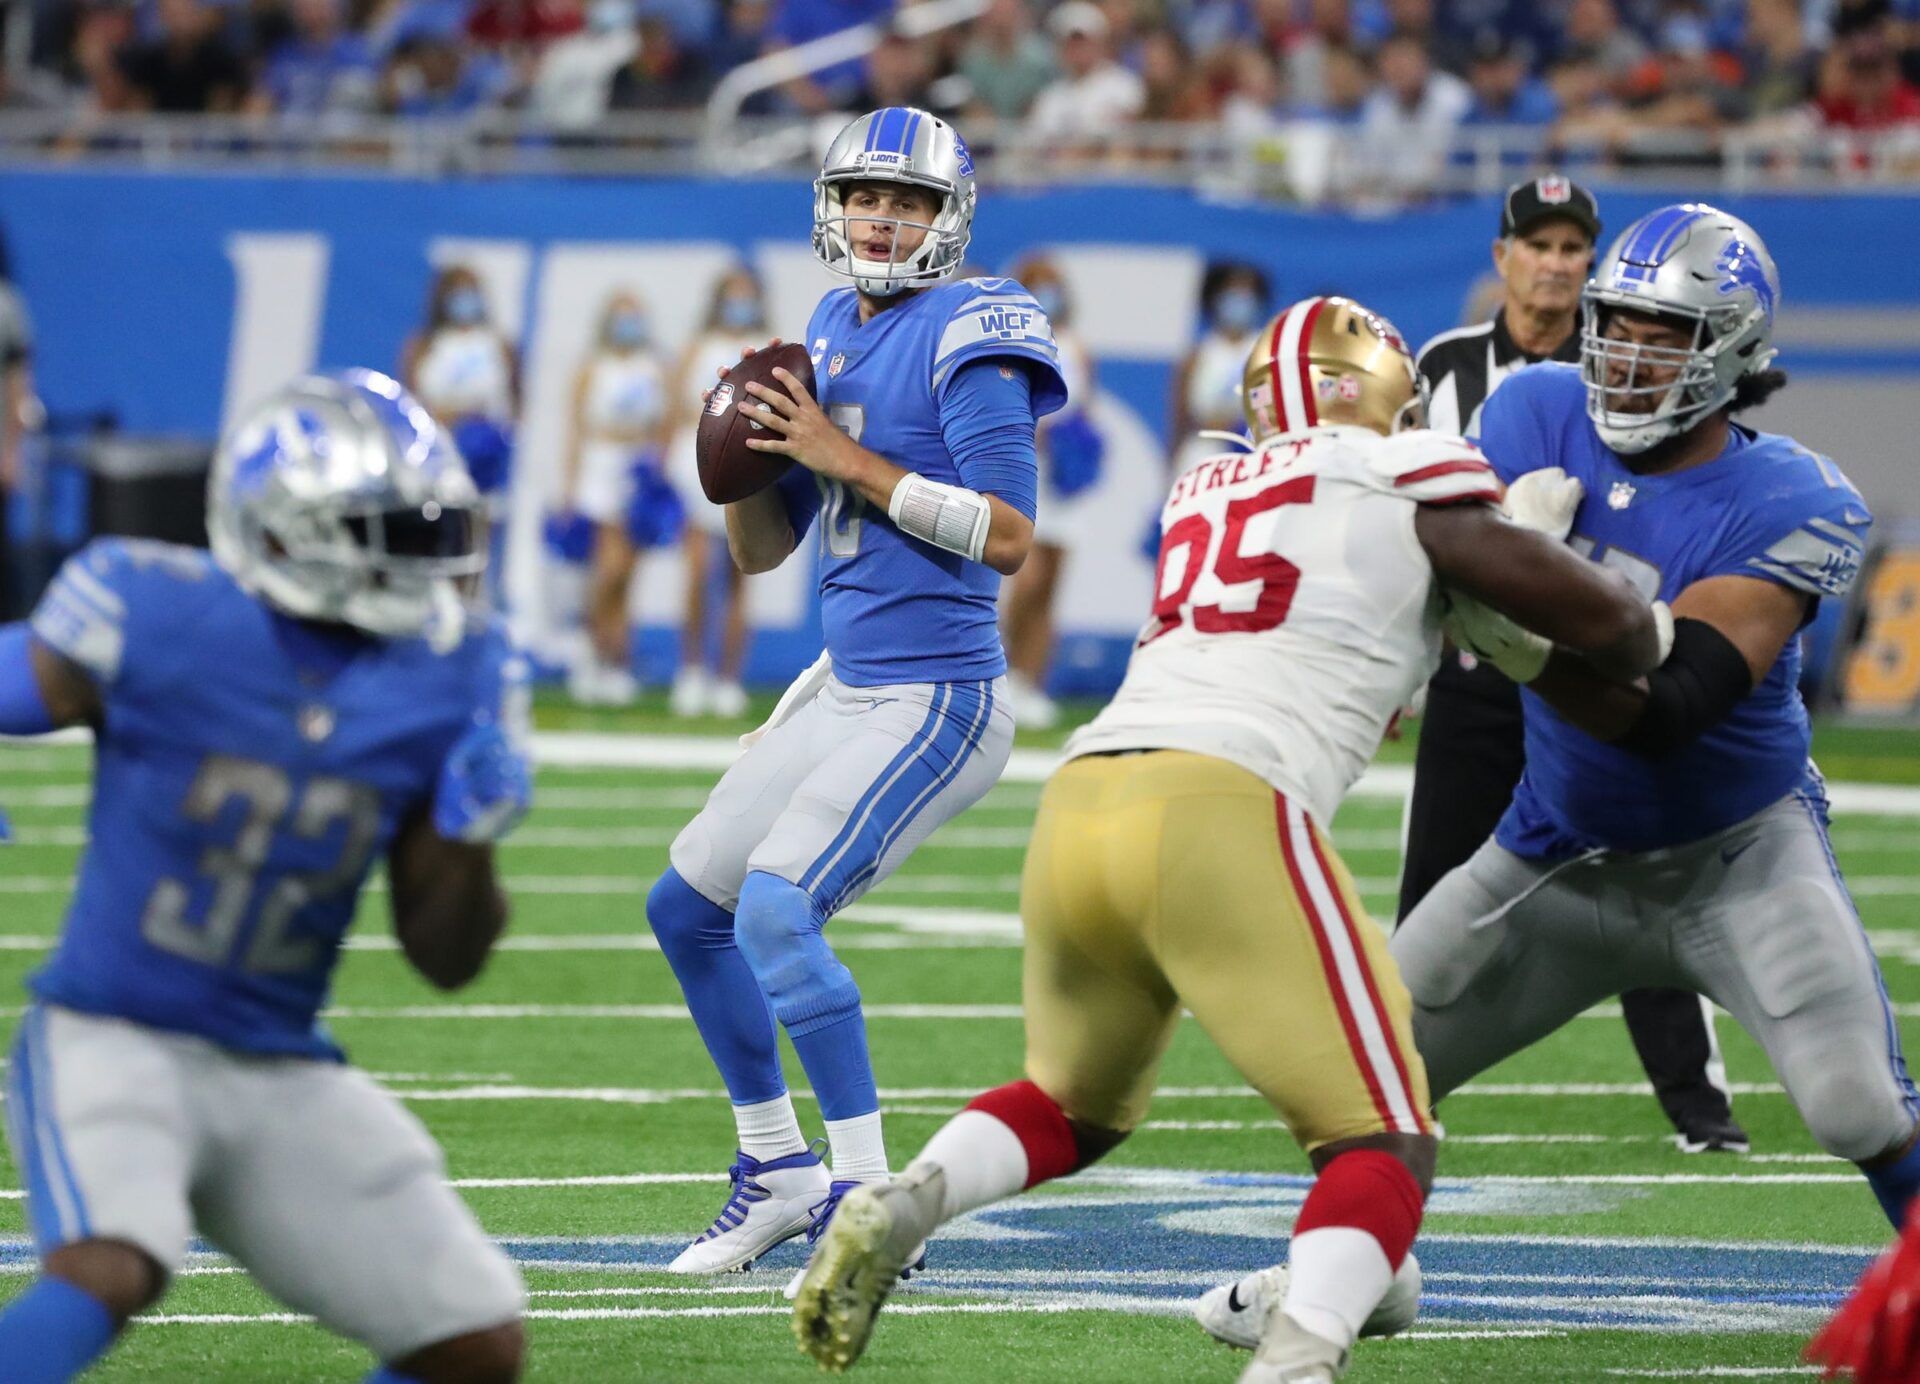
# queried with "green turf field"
point(1567, 1241)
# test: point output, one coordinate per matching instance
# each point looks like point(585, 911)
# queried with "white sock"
point(769, 1129)
point(859, 1149)
point(1340, 1273)
point(983, 1159)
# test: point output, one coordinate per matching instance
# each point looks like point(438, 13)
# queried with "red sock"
point(1371, 1191)
point(1040, 1125)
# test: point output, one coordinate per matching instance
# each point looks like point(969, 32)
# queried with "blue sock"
point(52, 1332)
point(697, 937)
point(387, 1374)
point(1895, 1184)
point(813, 995)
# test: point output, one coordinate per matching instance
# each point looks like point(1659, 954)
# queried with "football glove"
point(1492, 638)
point(485, 787)
point(1544, 501)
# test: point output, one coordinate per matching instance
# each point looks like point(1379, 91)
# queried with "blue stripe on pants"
point(898, 765)
point(973, 730)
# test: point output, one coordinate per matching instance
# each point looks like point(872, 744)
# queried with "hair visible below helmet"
point(1701, 266)
point(1330, 360)
point(338, 498)
point(896, 145)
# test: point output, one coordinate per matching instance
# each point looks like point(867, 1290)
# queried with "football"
point(729, 469)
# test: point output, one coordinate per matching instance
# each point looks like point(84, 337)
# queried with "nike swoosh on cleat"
point(1729, 854)
point(1233, 1299)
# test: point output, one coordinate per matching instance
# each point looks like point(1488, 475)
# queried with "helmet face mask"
point(895, 145)
point(1690, 265)
point(339, 499)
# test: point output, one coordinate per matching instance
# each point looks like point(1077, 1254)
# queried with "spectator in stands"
point(436, 75)
point(663, 75)
point(896, 73)
point(1409, 121)
point(100, 36)
point(1504, 91)
point(1172, 90)
point(1595, 38)
point(1777, 62)
point(795, 22)
point(573, 79)
point(1305, 48)
point(742, 35)
point(1861, 87)
point(1079, 110)
point(320, 68)
point(1681, 96)
point(188, 66)
point(1005, 63)
point(523, 24)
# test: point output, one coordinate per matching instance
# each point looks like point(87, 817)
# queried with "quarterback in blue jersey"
point(268, 720)
point(1673, 831)
point(916, 466)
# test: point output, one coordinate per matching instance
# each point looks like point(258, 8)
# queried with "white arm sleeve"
point(947, 516)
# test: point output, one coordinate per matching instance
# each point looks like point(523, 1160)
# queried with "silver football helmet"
point(896, 145)
point(339, 498)
point(1692, 262)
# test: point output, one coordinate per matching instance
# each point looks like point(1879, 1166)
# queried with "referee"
point(1470, 753)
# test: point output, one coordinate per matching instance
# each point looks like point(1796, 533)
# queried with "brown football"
point(729, 469)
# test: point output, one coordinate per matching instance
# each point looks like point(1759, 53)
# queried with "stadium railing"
point(1304, 160)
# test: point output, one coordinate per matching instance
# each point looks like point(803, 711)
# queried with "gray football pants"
point(1504, 951)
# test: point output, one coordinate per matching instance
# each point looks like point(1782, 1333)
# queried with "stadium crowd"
point(1645, 80)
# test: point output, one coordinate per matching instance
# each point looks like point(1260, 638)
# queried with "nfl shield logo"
point(1620, 496)
point(1554, 188)
point(835, 365)
point(316, 723)
point(1349, 389)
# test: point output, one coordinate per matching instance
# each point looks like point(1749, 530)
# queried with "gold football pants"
point(1162, 880)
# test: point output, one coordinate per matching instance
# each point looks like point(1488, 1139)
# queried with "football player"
point(916, 467)
point(1180, 858)
point(268, 721)
point(1672, 831)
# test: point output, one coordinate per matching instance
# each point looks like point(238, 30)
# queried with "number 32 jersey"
point(1295, 611)
point(248, 772)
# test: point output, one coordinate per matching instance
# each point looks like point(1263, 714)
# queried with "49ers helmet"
point(1330, 360)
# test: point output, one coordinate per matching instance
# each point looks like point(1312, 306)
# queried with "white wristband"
point(946, 516)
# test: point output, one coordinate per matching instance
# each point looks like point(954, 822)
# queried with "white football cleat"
point(823, 1217)
point(872, 1238)
point(1236, 1312)
point(728, 699)
point(1291, 1354)
point(770, 1203)
point(688, 696)
point(1032, 708)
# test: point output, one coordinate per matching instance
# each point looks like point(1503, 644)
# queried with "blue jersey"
point(895, 609)
point(1766, 508)
point(248, 772)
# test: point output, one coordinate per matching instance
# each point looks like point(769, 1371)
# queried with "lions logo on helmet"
point(896, 145)
point(1697, 264)
point(339, 498)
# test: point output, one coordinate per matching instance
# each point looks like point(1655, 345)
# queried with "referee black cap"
point(1551, 194)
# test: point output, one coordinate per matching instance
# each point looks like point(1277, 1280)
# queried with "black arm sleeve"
point(1702, 680)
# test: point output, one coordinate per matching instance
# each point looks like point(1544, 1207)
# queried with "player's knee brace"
point(779, 927)
point(683, 918)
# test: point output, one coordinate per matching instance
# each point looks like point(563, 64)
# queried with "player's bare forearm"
point(448, 907)
point(759, 534)
point(1542, 585)
point(1601, 706)
point(70, 695)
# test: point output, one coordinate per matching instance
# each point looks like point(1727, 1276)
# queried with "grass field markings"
point(1721, 1372)
point(651, 1095)
point(538, 943)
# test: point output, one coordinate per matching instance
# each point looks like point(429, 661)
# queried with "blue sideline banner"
point(173, 300)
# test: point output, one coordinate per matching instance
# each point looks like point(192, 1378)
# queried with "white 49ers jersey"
point(1294, 609)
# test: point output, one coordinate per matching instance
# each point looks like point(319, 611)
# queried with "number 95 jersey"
point(1294, 611)
point(248, 771)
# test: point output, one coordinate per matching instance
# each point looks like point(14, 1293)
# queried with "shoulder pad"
point(1432, 469)
point(87, 610)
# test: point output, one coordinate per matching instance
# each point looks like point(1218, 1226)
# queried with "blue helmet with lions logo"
point(896, 145)
point(1700, 265)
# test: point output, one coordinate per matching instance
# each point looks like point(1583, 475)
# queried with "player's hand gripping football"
point(805, 433)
